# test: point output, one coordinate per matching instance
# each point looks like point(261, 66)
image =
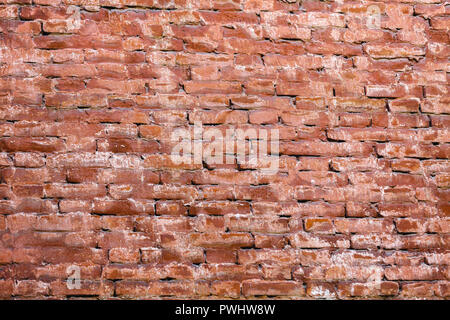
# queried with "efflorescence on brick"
point(93, 205)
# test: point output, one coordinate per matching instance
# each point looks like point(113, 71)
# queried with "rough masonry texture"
point(91, 91)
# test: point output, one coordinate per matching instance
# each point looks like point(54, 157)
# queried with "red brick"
point(123, 207)
point(223, 116)
point(414, 273)
point(222, 240)
point(88, 288)
point(221, 256)
point(124, 255)
point(418, 289)
point(31, 288)
point(75, 191)
point(15, 144)
point(228, 289)
point(212, 87)
point(394, 51)
point(363, 226)
point(6, 287)
point(319, 225)
point(272, 288)
point(375, 289)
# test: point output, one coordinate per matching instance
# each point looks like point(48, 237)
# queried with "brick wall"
point(92, 90)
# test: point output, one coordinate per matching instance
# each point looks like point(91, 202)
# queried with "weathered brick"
point(272, 288)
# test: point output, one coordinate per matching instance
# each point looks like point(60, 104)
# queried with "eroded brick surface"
point(358, 209)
